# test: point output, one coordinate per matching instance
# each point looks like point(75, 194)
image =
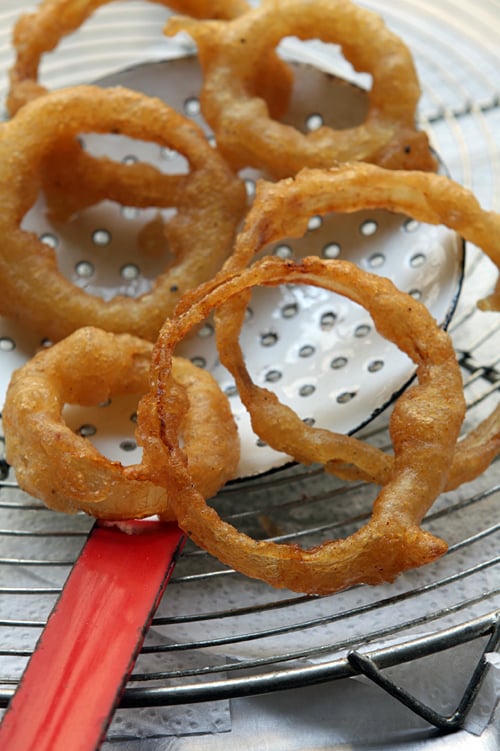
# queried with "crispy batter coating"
point(66, 471)
point(209, 199)
point(247, 133)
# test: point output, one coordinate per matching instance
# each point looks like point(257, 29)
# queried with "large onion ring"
point(282, 210)
point(246, 133)
point(65, 470)
point(209, 199)
point(42, 29)
point(424, 428)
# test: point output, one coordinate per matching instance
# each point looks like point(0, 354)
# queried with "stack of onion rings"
point(66, 471)
point(210, 202)
point(247, 134)
point(185, 427)
point(424, 428)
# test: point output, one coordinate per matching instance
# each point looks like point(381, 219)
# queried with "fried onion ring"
point(65, 470)
point(424, 428)
point(283, 210)
point(245, 130)
point(209, 199)
point(41, 30)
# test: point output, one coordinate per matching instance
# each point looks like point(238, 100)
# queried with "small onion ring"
point(210, 202)
point(65, 470)
point(245, 130)
point(283, 210)
point(424, 427)
point(41, 30)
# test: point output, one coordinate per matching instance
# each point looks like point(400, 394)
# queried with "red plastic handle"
point(86, 652)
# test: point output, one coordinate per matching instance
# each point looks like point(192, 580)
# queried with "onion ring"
point(210, 202)
point(283, 210)
point(424, 428)
point(244, 128)
point(65, 470)
point(41, 30)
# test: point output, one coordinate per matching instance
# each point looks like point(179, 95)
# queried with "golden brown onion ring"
point(283, 210)
point(41, 30)
point(245, 130)
point(65, 470)
point(209, 200)
point(424, 427)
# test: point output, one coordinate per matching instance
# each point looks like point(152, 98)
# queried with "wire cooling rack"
point(217, 635)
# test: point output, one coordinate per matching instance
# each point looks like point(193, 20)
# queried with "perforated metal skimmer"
point(222, 636)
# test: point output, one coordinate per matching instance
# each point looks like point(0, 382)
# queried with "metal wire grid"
point(345, 635)
point(217, 635)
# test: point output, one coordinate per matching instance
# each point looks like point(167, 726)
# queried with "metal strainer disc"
point(318, 351)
